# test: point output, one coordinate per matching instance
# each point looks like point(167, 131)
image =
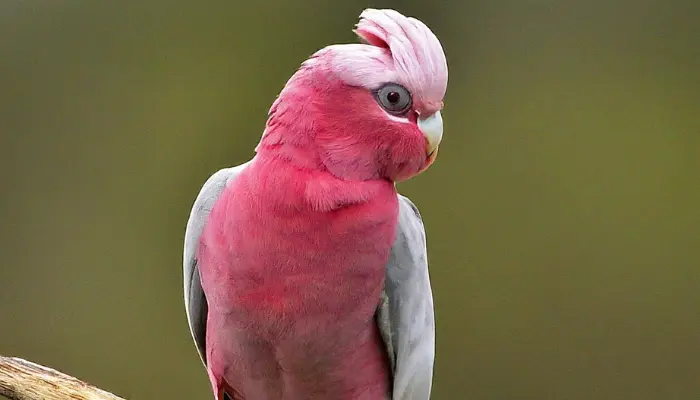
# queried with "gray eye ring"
point(394, 98)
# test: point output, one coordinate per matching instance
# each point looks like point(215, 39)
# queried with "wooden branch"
point(24, 380)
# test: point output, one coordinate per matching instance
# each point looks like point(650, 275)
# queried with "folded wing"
point(195, 301)
point(405, 315)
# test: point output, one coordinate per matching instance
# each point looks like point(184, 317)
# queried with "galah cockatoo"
point(305, 271)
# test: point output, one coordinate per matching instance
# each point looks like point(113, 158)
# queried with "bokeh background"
point(563, 212)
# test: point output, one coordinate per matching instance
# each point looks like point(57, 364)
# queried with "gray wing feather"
point(195, 302)
point(405, 315)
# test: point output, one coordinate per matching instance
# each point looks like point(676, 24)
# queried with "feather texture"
point(195, 301)
point(404, 316)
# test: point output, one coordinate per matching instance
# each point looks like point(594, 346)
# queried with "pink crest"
point(418, 56)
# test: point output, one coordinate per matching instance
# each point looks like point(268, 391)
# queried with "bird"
point(305, 270)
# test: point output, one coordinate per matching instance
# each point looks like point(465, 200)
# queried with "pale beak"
point(431, 126)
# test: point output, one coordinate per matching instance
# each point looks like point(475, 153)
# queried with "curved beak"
point(431, 126)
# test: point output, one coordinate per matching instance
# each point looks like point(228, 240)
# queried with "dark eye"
point(394, 98)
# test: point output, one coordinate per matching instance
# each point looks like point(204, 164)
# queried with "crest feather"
point(416, 51)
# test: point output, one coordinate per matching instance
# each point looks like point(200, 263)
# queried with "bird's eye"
point(394, 98)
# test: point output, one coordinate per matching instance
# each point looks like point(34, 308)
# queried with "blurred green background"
point(563, 212)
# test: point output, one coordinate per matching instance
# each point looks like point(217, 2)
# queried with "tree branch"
point(24, 380)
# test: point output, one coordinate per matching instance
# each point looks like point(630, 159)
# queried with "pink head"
point(365, 111)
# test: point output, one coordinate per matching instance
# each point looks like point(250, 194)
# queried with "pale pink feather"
point(326, 117)
point(417, 54)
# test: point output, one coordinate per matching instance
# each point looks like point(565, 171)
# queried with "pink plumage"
point(290, 297)
point(292, 255)
point(416, 53)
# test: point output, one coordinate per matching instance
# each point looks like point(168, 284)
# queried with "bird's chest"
point(281, 271)
point(292, 302)
point(292, 295)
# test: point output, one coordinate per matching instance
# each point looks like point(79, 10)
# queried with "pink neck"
point(293, 182)
point(289, 129)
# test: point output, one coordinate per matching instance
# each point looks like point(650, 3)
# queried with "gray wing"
point(195, 302)
point(405, 315)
